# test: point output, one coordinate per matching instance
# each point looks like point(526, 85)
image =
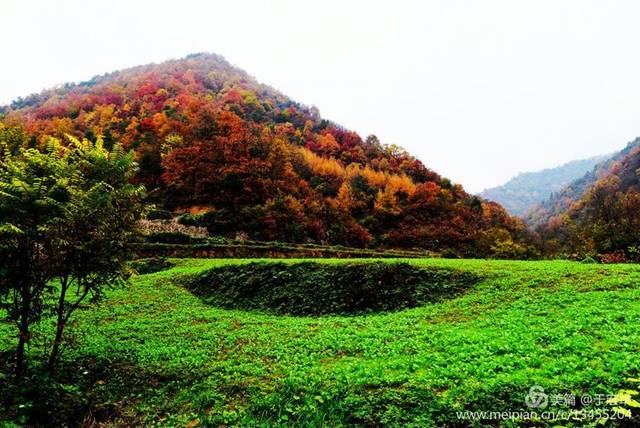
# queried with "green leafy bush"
point(318, 288)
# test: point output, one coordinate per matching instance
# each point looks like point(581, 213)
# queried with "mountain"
point(244, 159)
point(561, 201)
point(525, 190)
point(599, 213)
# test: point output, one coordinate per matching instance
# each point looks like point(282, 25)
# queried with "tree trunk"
point(20, 364)
point(24, 333)
point(55, 350)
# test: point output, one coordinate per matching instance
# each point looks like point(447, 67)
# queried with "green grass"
point(154, 354)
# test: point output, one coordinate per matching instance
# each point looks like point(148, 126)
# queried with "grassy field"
point(155, 354)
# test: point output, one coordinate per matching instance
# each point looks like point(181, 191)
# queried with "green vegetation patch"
point(151, 265)
point(154, 354)
point(311, 288)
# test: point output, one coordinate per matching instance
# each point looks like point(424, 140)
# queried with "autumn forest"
point(245, 160)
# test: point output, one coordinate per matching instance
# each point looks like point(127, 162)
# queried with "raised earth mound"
point(309, 289)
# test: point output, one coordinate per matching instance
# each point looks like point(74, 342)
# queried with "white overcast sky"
point(479, 90)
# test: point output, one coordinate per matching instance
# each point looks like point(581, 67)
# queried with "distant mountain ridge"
point(561, 200)
point(525, 190)
point(597, 215)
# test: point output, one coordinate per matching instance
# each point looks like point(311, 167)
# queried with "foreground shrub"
point(67, 217)
point(321, 288)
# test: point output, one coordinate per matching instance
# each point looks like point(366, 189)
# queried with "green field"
point(155, 354)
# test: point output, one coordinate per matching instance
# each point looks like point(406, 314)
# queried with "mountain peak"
point(210, 139)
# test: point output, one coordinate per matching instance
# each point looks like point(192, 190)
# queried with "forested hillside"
point(527, 189)
point(598, 214)
point(245, 160)
point(560, 201)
